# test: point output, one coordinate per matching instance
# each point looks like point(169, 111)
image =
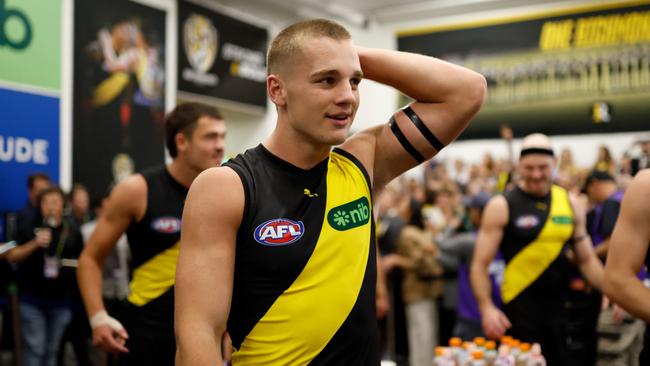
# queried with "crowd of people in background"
point(426, 229)
point(39, 272)
point(427, 232)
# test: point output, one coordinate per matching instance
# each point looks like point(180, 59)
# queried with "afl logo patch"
point(527, 221)
point(279, 232)
point(166, 225)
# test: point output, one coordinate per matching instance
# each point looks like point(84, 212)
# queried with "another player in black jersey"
point(278, 245)
point(532, 226)
point(628, 251)
point(148, 207)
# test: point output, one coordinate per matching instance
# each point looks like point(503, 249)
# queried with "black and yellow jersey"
point(533, 246)
point(305, 270)
point(154, 243)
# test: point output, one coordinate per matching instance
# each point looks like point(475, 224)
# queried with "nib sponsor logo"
point(279, 232)
point(350, 215)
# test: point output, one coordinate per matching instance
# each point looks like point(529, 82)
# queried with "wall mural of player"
point(119, 87)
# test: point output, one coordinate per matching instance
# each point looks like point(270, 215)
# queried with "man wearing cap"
point(604, 192)
point(584, 302)
point(534, 226)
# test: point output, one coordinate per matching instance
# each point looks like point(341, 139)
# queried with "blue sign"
point(29, 143)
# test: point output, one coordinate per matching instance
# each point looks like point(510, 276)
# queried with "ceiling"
point(364, 12)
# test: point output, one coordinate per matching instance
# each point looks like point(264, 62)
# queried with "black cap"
point(596, 175)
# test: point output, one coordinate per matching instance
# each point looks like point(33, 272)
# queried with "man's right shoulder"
point(218, 179)
point(497, 210)
point(130, 196)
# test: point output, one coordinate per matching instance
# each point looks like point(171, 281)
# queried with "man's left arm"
point(446, 97)
point(586, 259)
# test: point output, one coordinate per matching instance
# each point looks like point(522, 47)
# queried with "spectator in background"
point(460, 173)
point(421, 285)
point(80, 204)
point(442, 220)
point(459, 248)
point(504, 167)
point(36, 183)
point(393, 335)
point(606, 197)
point(566, 165)
point(625, 171)
point(641, 160)
point(46, 280)
point(605, 162)
point(584, 302)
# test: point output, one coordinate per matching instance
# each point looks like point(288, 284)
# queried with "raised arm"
point(586, 259)
point(205, 270)
point(495, 218)
point(628, 249)
point(42, 239)
point(127, 202)
point(446, 97)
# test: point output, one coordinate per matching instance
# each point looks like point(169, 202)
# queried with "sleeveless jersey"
point(533, 246)
point(154, 243)
point(305, 267)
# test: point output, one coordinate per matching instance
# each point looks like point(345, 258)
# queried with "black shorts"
point(543, 323)
point(144, 350)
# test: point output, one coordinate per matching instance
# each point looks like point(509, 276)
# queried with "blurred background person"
point(79, 201)
point(604, 161)
point(393, 336)
point(46, 279)
point(458, 248)
point(421, 284)
point(36, 183)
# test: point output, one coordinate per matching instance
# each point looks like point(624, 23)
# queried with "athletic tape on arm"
point(405, 143)
point(424, 130)
point(102, 318)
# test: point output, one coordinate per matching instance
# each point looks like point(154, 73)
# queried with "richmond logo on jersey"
point(166, 225)
point(278, 232)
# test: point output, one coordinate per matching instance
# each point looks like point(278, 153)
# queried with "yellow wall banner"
point(582, 70)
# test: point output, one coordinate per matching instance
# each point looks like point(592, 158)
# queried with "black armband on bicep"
point(424, 130)
point(404, 141)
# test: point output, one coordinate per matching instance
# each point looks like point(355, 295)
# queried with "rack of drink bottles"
point(482, 352)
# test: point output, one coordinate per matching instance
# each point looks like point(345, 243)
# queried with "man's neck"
point(182, 173)
point(295, 150)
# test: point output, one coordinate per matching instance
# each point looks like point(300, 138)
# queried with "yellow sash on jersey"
point(304, 318)
point(154, 277)
point(534, 259)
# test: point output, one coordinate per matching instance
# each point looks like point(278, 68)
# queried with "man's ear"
point(276, 91)
point(181, 142)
